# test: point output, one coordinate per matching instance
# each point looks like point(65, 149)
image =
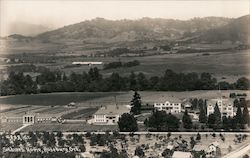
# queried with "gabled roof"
point(200, 147)
point(169, 99)
point(112, 110)
point(180, 154)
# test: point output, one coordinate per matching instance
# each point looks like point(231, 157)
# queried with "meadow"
point(226, 66)
point(95, 99)
point(51, 99)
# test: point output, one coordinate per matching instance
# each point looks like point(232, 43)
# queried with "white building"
point(170, 105)
point(225, 106)
point(181, 154)
point(86, 63)
point(109, 115)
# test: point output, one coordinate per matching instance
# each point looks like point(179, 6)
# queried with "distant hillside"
point(100, 30)
point(236, 30)
point(26, 29)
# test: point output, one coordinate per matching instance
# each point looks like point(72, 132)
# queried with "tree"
point(136, 104)
point(186, 120)
point(161, 121)
point(167, 153)
point(192, 142)
point(211, 120)
point(217, 115)
point(132, 81)
point(243, 83)
point(142, 82)
point(245, 119)
point(238, 116)
point(202, 116)
point(198, 136)
point(127, 123)
point(139, 152)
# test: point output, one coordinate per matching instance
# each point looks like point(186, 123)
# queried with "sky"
point(58, 13)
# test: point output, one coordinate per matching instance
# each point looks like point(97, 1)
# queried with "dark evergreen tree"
point(127, 123)
point(136, 104)
point(238, 116)
point(211, 120)
point(187, 121)
point(202, 116)
point(246, 118)
point(161, 121)
point(217, 115)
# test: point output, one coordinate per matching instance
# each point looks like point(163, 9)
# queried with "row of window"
point(162, 104)
point(229, 108)
point(220, 105)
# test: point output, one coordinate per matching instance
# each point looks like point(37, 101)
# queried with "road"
point(240, 152)
point(165, 133)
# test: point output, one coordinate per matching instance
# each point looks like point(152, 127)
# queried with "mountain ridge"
point(110, 31)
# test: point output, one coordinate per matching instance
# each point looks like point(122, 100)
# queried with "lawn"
point(80, 114)
point(69, 127)
point(54, 98)
point(95, 99)
point(221, 64)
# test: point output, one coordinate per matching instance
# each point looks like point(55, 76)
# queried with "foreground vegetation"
point(114, 145)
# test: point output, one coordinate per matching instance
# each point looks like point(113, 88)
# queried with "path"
point(19, 129)
point(240, 152)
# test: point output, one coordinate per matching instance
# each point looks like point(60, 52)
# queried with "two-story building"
point(225, 106)
point(170, 105)
point(109, 115)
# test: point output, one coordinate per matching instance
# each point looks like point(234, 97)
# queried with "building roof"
point(112, 110)
point(169, 99)
point(200, 147)
point(180, 154)
point(225, 101)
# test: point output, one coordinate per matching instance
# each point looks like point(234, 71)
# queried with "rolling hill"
point(100, 30)
point(235, 30)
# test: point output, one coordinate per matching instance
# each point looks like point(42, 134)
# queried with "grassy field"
point(227, 65)
point(80, 114)
point(69, 127)
point(94, 99)
point(54, 98)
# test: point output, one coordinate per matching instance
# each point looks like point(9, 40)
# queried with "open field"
point(80, 114)
point(7, 127)
point(225, 66)
point(68, 127)
point(93, 99)
point(55, 98)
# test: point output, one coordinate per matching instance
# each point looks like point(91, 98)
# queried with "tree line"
point(118, 64)
point(93, 81)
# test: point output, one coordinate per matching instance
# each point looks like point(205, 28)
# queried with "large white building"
point(170, 105)
point(109, 115)
point(225, 106)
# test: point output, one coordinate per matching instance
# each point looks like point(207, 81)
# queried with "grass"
point(54, 98)
point(220, 64)
point(80, 114)
point(225, 66)
point(95, 99)
point(71, 127)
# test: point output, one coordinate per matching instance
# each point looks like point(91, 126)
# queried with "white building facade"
point(109, 115)
point(225, 106)
point(169, 106)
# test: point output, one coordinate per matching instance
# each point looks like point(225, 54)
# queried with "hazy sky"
point(55, 13)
